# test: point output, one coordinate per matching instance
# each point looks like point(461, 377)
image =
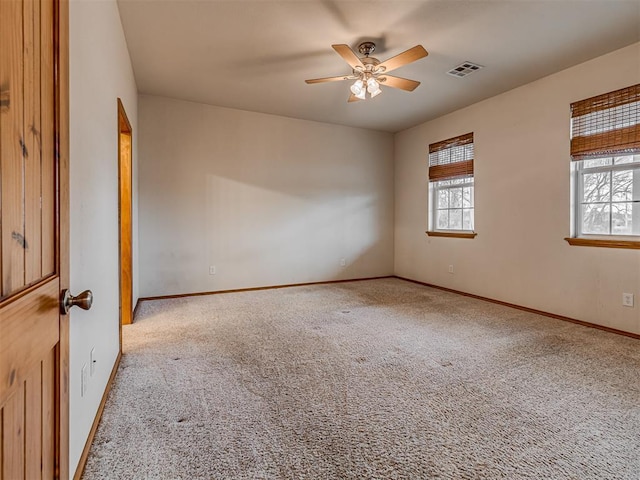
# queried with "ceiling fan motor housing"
point(370, 68)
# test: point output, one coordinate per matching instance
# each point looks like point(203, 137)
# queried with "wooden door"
point(33, 239)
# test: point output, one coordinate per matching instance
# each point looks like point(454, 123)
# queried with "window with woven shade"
point(605, 152)
point(451, 186)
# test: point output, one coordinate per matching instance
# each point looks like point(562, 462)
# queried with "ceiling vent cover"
point(464, 69)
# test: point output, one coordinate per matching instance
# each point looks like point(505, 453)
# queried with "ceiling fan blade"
point(348, 55)
point(352, 98)
point(398, 82)
point(328, 79)
point(408, 56)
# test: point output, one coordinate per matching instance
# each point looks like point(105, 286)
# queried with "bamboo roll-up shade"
point(606, 125)
point(451, 158)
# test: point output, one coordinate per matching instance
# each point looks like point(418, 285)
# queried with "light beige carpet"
point(379, 379)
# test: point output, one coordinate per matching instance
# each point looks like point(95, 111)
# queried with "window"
point(609, 196)
point(451, 187)
point(605, 149)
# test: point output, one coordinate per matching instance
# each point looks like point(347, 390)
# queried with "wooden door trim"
point(124, 125)
point(61, 89)
point(124, 129)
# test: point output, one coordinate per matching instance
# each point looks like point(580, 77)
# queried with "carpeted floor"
point(380, 379)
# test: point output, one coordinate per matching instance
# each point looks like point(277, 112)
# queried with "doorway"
point(125, 161)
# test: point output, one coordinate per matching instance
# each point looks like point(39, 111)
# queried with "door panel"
point(28, 441)
point(33, 422)
point(33, 353)
point(12, 439)
point(32, 128)
point(12, 144)
point(28, 388)
point(35, 313)
point(49, 398)
point(47, 141)
point(26, 144)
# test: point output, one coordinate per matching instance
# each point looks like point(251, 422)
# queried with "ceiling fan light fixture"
point(373, 87)
point(375, 93)
point(362, 95)
point(357, 88)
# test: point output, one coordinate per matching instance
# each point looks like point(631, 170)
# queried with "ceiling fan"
point(369, 73)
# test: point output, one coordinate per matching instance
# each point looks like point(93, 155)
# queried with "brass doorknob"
point(83, 300)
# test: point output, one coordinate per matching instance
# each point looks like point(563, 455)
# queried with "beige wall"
point(267, 200)
point(522, 173)
point(100, 72)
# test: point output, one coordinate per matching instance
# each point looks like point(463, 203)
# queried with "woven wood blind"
point(451, 158)
point(606, 125)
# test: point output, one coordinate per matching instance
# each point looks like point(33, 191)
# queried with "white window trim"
point(578, 172)
point(433, 206)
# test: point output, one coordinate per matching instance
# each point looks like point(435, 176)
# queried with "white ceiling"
point(255, 55)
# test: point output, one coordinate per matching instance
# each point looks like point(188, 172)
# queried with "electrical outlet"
point(450, 268)
point(212, 270)
point(92, 362)
point(343, 262)
point(83, 380)
point(627, 299)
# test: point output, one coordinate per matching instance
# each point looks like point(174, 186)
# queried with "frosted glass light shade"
point(357, 87)
point(373, 87)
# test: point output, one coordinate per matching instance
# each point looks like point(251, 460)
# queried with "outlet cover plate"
point(627, 299)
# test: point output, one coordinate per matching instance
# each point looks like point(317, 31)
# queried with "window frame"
point(579, 173)
point(434, 189)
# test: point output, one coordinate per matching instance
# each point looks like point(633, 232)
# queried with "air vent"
point(464, 69)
